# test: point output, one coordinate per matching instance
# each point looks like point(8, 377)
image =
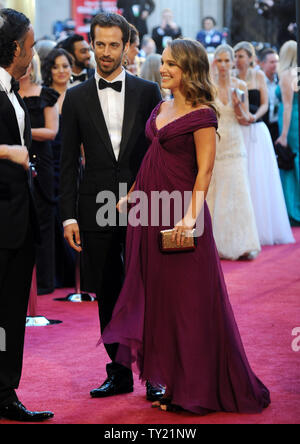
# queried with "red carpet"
point(62, 363)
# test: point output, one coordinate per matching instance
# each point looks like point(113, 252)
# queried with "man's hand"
point(17, 154)
point(72, 235)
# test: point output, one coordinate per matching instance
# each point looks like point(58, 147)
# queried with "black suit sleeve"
point(70, 161)
point(156, 96)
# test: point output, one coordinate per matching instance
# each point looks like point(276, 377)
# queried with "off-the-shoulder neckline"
point(158, 108)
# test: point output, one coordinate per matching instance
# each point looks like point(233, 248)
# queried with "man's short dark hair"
point(108, 20)
point(13, 28)
point(69, 43)
point(262, 55)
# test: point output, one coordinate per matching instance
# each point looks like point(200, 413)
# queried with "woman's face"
point(223, 62)
point(242, 59)
point(170, 72)
point(61, 70)
point(133, 51)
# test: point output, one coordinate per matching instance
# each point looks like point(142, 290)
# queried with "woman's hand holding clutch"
point(183, 229)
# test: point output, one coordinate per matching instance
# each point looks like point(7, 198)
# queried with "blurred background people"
point(167, 31)
point(137, 12)
point(151, 71)
point(41, 103)
point(268, 61)
point(265, 185)
point(229, 197)
point(148, 47)
point(57, 72)
point(132, 62)
point(285, 10)
point(79, 49)
point(209, 36)
point(43, 47)
point(288, 92)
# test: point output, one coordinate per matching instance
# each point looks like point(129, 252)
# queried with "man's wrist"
point(69, 222)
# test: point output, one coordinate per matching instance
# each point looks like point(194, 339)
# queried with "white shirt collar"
point(121, 77)
point(5, 79)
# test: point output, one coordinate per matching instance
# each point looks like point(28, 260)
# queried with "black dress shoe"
point(154, 393)
point(17, 412)
point(111, 387)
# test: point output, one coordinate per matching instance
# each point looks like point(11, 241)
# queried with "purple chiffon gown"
point(173, 319)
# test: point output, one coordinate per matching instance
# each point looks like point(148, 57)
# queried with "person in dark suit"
point(137, 12)
point(107, 114)
point(18, 224)
point(79, 49)
point(285, 12)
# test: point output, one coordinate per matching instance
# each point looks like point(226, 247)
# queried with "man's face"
point(82, 54)
point(109, 50)
point(270, 65)
point(24, 54)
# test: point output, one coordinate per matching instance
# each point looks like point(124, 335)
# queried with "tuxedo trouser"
point(16, 267)
point(103, 253)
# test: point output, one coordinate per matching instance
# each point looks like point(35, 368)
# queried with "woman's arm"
point(205, 142)
point(287, 98)
point(241, 108)
point(122, 205)
point(50, 130)
point(264, 98)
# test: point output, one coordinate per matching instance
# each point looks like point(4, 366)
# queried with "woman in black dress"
point(42, 106)
point(57, 72)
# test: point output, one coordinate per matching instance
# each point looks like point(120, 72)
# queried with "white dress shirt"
point(112, 104)
point(5, 82)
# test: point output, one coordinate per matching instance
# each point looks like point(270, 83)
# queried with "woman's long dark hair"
point(49, 62)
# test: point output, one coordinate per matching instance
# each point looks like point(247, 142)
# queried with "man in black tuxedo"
point(108, 115)
point(137, 12)
point(18, 224)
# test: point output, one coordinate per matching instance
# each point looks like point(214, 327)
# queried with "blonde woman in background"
point(287, 92)
point(229, 198)
point(41, 103)
point(151, 71)
point(265, 184)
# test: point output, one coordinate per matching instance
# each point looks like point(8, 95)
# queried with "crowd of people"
point(182, 92)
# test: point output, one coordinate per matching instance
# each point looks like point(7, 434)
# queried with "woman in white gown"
point(265, 184)
point(229, 198)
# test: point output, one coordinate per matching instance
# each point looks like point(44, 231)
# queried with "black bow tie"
point(81, 78)
point(15, 86)
point(117, 86)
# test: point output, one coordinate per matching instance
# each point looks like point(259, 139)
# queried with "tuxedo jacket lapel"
point(97, 117)
point(130, 110)
point(9, 117)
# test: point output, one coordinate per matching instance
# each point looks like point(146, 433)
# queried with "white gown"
point(229, 197)
point(266, 190)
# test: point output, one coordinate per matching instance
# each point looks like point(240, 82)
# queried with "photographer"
point(285, 11)
point(137, 12)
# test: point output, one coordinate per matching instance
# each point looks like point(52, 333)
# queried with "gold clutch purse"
point(167, 245)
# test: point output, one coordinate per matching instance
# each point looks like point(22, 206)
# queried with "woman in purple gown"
point(173, 319)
